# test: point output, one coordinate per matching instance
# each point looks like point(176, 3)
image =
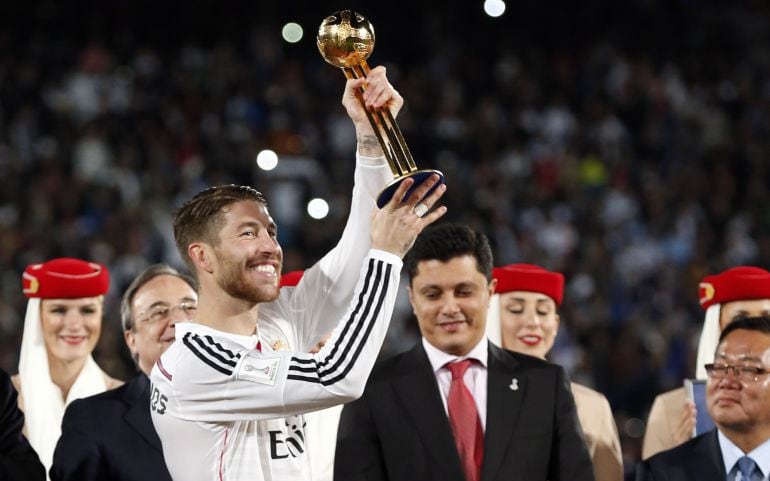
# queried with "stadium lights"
point(292, 32)
point(318, 208)
point(494, 8)
point(267, 159)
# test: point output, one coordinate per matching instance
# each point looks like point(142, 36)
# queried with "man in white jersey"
point(228, 396)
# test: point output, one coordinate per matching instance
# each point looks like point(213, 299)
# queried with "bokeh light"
point(318, 208)
point(267, 159)
point(494, 8)
point(292, 32)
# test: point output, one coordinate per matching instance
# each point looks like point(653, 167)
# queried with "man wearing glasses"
point(110, 435)
point(742, 291)
point(738, 400)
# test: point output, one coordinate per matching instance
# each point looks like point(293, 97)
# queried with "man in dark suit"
point(738, 400)
point(456, 407)
point(110, 436)
point(17, 458)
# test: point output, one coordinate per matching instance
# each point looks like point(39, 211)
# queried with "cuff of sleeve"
point(371, 161)
point(388, 257)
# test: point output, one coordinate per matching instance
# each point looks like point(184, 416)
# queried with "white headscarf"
point(494, 328)
point(43, 403)
point(709, 339)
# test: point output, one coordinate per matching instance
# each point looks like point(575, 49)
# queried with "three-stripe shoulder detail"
point(355, 332)
point(211, 352)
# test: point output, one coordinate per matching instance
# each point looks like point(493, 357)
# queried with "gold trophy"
point(345, 40)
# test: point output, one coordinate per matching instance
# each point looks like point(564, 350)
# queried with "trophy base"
point(419, 177)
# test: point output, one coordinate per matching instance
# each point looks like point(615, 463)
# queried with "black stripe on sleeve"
point(302, 361)
point(294, 377)
point(211, 353)
point(367, 317)
point(366, 322)
point(364, 294)
point(368, 331)
point(340, 338)
point(230, 353)
point(203, 356)
point(354, 317)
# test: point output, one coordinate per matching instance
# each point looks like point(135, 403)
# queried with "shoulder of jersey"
point(219, 354)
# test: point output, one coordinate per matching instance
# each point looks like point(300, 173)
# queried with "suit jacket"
point(110, 436)
point(699, 459)
point(399, 431)
point(17, 458)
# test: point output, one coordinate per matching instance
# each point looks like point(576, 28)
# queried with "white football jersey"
point(226, 410)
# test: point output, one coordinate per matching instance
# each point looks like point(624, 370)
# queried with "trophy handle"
point(385, 127)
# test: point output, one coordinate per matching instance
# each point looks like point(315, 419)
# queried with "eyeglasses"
point(741, 373)
point(162, 312)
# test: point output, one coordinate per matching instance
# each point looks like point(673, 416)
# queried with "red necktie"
point(465, 422)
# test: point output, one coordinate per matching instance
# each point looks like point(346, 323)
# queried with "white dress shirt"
point(475, 377)
point(731, 453)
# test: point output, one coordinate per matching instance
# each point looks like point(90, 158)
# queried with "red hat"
point(291, 279)
point(528, 277)
point(735, 284)
point(65, 278)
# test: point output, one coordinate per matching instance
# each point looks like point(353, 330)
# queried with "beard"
point(237, 284)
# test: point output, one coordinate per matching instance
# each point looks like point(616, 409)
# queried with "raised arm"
point(333, 278)
point(227, 382)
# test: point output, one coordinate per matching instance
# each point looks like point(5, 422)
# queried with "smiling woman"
point(523, 317)
point(61, 328)
point(71, 328)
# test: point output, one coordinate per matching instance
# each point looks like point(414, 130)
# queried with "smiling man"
point(110, 435)
point(229, 396)
point(738, 399)
point(456, 407)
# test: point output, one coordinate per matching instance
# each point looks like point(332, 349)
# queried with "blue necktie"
point(749, 470)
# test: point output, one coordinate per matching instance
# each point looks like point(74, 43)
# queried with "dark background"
point(622, 143)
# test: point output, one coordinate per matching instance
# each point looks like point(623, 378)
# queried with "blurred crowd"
point(627, 149)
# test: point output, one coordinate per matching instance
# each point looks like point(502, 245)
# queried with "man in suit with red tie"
point(456, 407)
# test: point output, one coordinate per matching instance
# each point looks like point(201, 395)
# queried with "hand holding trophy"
point(345, 40)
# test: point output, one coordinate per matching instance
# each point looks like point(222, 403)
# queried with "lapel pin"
point(514, 384)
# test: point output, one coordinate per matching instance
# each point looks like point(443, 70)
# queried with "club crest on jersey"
point(258, 369)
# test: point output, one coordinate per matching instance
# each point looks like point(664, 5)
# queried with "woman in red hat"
point(738, 292)
point(61, 329)
point(523, 317)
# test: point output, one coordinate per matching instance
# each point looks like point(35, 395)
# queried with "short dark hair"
point(446, 241)
point(150, 273)
point(200, 218)
point(757, 324)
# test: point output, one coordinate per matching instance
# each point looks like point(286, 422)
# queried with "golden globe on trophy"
point(345, 40)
